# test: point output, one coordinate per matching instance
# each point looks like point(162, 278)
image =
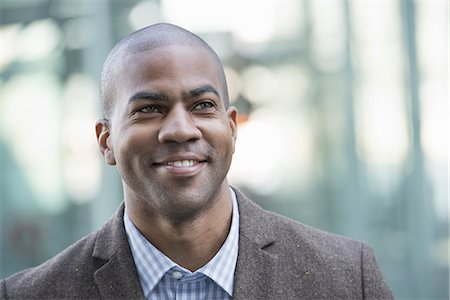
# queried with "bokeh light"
point(343, 122)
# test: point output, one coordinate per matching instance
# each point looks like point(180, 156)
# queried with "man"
point(183, 232)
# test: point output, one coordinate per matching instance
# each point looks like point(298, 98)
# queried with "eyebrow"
point(149, 96)
point(203, 90)
point(162, 97)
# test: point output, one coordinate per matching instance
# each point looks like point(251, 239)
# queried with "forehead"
point(179, 65)
point(173, 58)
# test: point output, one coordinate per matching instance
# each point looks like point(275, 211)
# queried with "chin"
point(184, 204)
point(188, 210)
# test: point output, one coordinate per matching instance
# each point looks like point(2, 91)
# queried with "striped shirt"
point(162, 278)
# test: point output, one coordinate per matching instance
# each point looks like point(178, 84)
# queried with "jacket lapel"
point(255, 267)
point(116, 276)
point(117, 279)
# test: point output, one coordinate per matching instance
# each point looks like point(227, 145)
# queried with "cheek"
point(221, 139)
point(133, 143)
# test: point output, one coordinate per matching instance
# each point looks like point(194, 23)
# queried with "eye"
point(203, 105)
point(149, 109)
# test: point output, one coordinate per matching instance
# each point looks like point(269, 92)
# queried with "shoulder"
point(69, 271)
point(294, 238)
point(315, 262)
point(260, 224)
point(337, 264)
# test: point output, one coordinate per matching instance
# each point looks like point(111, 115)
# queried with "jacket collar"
point(116, 276)
point(255, 266)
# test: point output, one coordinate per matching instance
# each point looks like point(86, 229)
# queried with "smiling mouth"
point(180, 163)
point(183, 168)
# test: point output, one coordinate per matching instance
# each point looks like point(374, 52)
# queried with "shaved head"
point(151, 37)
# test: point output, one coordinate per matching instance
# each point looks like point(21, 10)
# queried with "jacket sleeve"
point(373, 284)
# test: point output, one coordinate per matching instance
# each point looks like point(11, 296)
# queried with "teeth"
point(181, 163)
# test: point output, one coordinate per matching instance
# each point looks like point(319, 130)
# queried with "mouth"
point(181, 163)
point(180, 167)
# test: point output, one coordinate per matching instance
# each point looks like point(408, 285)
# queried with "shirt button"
point(177, 275)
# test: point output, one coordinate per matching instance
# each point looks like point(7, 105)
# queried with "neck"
point(191, 243)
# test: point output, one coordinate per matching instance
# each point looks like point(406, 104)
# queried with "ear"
point(102, 131)
point(232, 119)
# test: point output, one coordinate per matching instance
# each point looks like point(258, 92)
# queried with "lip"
point(167, 165)
point(181, 171)
point(180, 157)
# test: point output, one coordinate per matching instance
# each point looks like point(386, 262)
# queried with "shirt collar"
point(152, 264)
point(222, 266)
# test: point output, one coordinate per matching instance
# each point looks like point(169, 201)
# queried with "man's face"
point(170, 134)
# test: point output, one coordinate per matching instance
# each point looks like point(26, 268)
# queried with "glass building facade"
point(343, 121)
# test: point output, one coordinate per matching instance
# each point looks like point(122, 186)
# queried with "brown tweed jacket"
point(278, 259)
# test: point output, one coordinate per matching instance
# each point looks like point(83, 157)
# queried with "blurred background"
point(343, 121)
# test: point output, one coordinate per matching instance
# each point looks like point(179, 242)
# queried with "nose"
point(178, 126)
